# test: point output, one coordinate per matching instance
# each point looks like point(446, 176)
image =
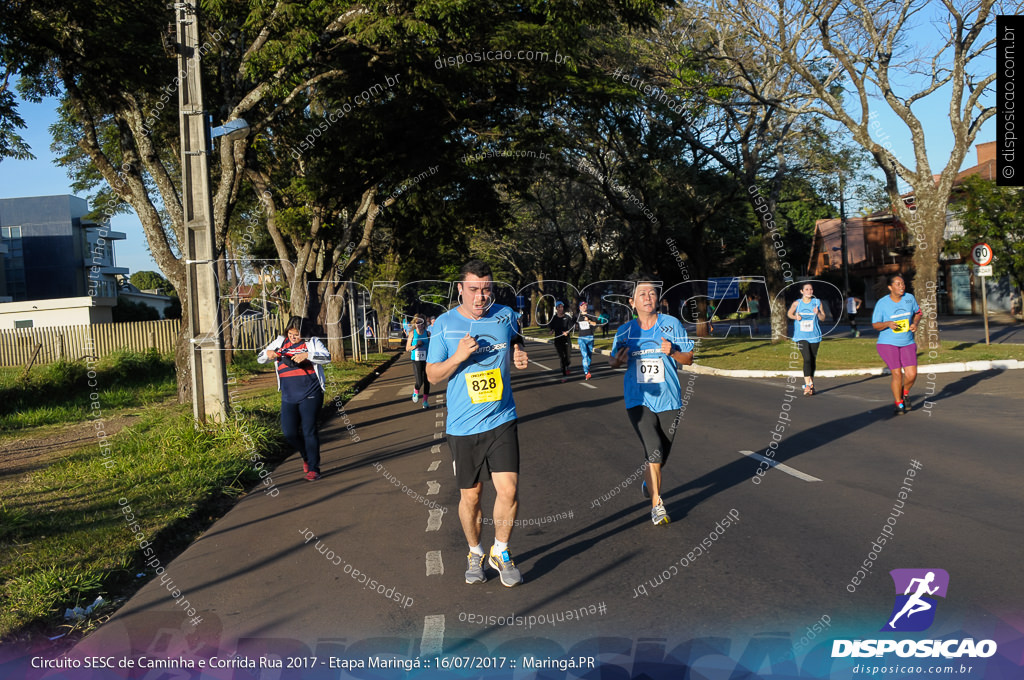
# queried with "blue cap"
point(559, 302)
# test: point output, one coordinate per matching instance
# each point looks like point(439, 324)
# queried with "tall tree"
point(109, 65)
point(746, 113)
point(850, 55)
point(330, 185)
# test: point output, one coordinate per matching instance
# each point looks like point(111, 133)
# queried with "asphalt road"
point(283, 574)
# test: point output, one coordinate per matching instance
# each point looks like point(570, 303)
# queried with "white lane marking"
point(405, 391)
point(433, 465)
point(439, 423)
point(432, 643)
point(434, 521)
point(433, 487)
point(436, 448)
point(782, 466)
point(438, 435)
point(540, 365)
point(586, 384)
point(362, 396)
point(435, 567)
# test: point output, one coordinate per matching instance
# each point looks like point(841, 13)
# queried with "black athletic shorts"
point(656, 431)
point(476, 456)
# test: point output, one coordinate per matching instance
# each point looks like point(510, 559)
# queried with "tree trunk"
point(183, 355)
point(925, 227)
point(775, 276)
point(335, 333)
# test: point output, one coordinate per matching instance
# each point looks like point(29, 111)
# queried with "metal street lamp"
point(234, 129)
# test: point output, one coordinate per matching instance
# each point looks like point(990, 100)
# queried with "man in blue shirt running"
point(471, 347)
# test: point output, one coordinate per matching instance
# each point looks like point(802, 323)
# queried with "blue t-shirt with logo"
point(902, 313)
point(651, 379)
point(479, 395)
point(806, 327)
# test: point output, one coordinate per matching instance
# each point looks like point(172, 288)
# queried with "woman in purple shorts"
point(896, 316)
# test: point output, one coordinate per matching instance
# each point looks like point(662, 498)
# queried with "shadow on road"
point(962, 384)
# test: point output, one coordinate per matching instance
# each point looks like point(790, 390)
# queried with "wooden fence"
point(75, 342)
point(17, 345)
point(252, 335)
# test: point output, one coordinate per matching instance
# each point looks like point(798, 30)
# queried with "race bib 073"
point(650, 371)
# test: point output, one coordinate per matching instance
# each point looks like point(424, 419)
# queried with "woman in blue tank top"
point(417, 343)
point(806, 312)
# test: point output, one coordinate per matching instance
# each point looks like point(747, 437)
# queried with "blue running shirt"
point(651, 379)
point(806, 327)
point(479, 395)
point(902, 313)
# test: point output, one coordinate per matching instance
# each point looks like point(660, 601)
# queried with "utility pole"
point(843, 242)
point(209, 381)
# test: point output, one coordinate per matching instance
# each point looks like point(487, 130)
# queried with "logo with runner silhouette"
point(916, 590)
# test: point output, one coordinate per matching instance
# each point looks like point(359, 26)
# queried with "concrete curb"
point(956, 367)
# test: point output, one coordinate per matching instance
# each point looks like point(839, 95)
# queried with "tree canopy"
point(577, 140)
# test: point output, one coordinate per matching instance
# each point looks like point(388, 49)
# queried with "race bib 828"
point(484, 386)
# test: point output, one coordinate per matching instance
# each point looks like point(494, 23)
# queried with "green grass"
point(243, 363)
point(833, 354)
point(342, 378)
point(63, 536)
point(61, 392)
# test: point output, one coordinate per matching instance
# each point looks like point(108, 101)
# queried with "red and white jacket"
point(318, 355)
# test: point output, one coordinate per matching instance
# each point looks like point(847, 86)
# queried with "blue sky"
point(42, 177)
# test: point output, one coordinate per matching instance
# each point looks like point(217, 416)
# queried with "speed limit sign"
point(981, 253)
